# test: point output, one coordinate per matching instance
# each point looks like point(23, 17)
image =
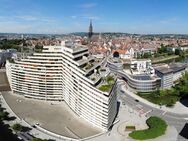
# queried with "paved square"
point(56, 117)
point(4, 85)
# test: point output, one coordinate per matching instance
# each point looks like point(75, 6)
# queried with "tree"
point(177, 51)
point(38, 48)
point(163, 49)
point(3, 115)
point(116, 54)
point(17, 127)
point(170, 52)
point(147, 55)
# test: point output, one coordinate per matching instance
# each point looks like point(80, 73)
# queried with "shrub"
point(36, 139)
point(105, 88)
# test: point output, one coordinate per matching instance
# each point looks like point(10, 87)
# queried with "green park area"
point(168, 97)
point(19, 44)
point(157, 127)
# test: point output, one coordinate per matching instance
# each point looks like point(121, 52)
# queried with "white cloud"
point(73, 17)
point(88, 5)
point(168, 21)
point(85, 16)
point(27, 18)
point(34, 18)
point(11, 27)
point(91, 17)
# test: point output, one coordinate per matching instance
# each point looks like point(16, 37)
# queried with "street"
point(176, 120)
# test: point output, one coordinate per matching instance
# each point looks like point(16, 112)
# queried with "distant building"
point(5, 54)
point(124, 54)
point(90, 30)
point(183, 48)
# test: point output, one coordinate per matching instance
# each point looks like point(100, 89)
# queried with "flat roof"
point(177, 67)
point(164, 70)
point(172, 68)
point(142, 77)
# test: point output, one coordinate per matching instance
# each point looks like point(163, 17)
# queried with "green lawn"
point(157, 127)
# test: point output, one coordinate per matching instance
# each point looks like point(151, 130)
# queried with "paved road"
point(172, 119)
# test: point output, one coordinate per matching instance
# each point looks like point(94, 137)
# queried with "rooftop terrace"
point(107, 83)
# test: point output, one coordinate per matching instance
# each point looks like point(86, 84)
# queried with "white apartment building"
point(68, 73)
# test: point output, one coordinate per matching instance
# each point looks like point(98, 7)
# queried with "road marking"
point(148, 112)
point(139, 106)
point(164, 112)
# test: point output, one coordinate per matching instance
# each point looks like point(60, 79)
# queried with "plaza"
point(52, 116)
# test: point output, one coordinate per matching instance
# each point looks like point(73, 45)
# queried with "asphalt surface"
point(172, 119)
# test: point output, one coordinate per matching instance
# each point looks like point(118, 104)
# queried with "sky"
point(65, 16)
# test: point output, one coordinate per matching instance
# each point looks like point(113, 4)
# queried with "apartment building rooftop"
point(74, 46)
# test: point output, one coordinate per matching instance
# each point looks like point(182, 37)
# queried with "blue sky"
point(64, 16)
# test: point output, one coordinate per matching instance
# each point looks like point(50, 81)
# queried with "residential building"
point(68, 73)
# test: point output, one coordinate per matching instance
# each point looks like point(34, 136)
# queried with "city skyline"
point(140, 17)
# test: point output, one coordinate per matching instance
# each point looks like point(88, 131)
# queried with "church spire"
point(90, 29)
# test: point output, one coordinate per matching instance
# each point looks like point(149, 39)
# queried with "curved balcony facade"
point(55, 74)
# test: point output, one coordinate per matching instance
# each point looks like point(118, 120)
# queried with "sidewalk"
point(177, 109)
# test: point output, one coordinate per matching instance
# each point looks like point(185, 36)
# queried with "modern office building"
point(139, 76)
point(166, 76)
point(68, 73)
point(169, 74)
